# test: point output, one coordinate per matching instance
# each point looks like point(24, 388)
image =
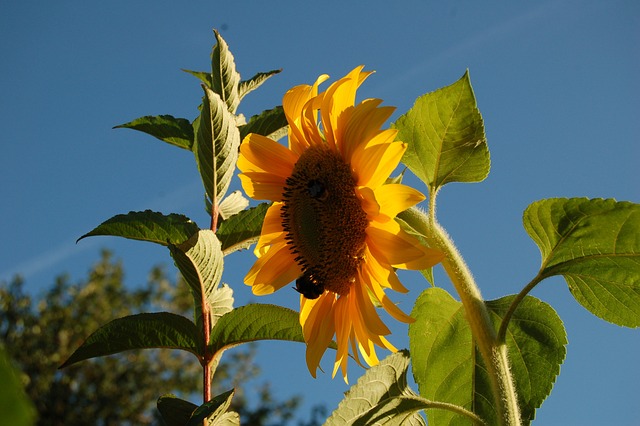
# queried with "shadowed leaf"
point(243, 229)
point(175, 131)
point(147, 226)
point(141, 331)
point(254, 82)
point(270, 123)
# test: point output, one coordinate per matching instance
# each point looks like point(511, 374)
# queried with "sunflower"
point(331, 226)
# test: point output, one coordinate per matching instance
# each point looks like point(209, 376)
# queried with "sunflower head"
point(331, 226)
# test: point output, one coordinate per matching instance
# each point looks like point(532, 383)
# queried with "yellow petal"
point(272, 271)
point(381, 272)
point(390, 307)
point(370, 317)
point(387, 241)
point(320, 327)
point(261, 154)
point(262, 186)
point(395, 198)
point(374, 163)
point(293, 103)
point(364, 123)
point(368, 201)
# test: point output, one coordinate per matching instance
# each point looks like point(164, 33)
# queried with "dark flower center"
point(324, 222)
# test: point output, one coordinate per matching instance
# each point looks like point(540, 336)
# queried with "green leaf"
point(220, 302)
point(381, 397)
point(254, 82)
point(204, 77)
point(232, 204)
point(447, 367)
point(595, 245)
point(213, 409)
point(175, 131)
point(536, 340)
point(271, 123)
point(200, 261)
point(256, 322)
point(15, 406)
point(175, 411)
point(141, 331)
point(147, 226)
point(445, 136)
point(216, 145)
point(243, 229)
point(224, 77)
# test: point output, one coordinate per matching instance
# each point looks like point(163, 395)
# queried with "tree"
point(40, 334)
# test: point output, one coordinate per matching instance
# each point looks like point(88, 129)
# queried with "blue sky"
point(556, 82)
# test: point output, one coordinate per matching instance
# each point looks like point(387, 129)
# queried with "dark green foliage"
point(40, 333)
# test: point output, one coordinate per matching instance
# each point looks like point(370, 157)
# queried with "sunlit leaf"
point(234, 203)
point(220, 302)
point(175, 131)
point(448, 368)
point(243, 229)
point(381, 397)
point(200, 261)
point(204, 77)
point(141, 331)
point(445, 136)
point(175, 411)
point(224, 77)
point(213, 409)
point(147, 226)
point(254, 82)
point(217, 141)
point(595, 246)
point(270, 123)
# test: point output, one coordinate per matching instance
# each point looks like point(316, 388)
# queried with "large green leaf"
point(224, 77)
point(381, 397)
point(243, 229)
point(595, 245)
point(445, 136)
point(256, 322)
point(271, 123)
point(147, 226)
point(254, 82)
point(200, 261)
point(175, 131)
point(448, 368)
point(217, 141)
point(536, 340)
point(141, 331)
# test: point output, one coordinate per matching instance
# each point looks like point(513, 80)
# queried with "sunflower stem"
point(494, 353)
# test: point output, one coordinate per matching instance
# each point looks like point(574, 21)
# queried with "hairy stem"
point(484, 334)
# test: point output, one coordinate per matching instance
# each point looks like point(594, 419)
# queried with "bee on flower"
point(331, 226)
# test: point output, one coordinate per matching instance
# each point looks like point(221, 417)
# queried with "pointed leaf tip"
point(445, 135)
